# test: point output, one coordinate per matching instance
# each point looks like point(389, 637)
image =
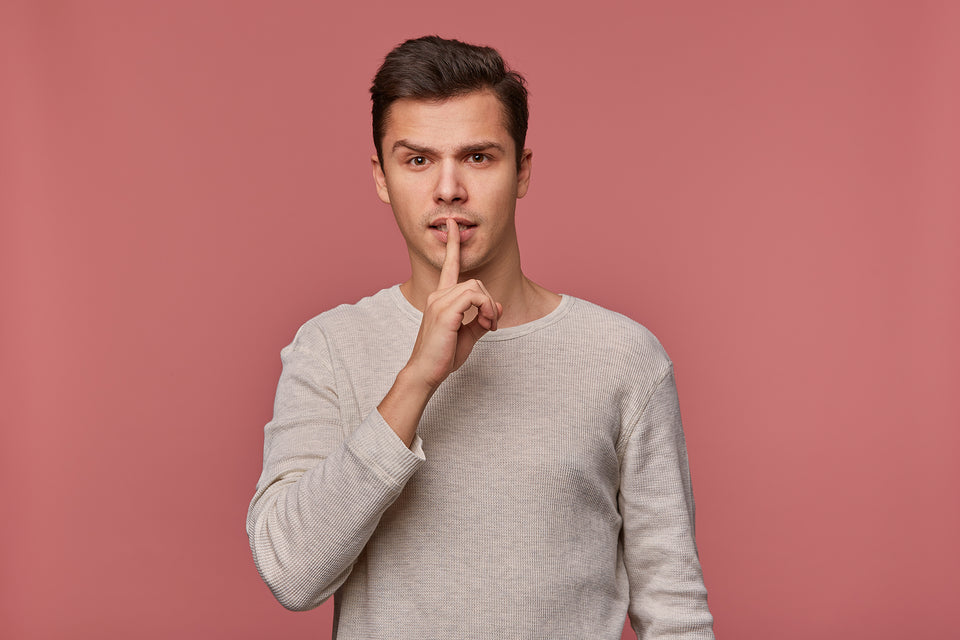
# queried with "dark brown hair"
point(433, 68)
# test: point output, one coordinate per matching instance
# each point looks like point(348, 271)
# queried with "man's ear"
point(379, 179)
point(523, 172)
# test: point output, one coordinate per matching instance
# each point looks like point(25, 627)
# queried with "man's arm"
point(321, 494)
point(322, 490)
point(667, 595)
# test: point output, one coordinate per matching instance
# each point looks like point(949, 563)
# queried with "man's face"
point(452, 159)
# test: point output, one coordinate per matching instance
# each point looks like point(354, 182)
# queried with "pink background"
point(773, 190)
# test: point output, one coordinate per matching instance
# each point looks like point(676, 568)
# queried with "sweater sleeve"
point(667, 595)
point(324, 484)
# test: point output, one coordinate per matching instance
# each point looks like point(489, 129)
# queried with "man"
point(466, 454)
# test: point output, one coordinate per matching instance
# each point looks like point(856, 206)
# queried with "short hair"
point(434, 68)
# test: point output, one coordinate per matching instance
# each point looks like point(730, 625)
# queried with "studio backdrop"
point(771, 188)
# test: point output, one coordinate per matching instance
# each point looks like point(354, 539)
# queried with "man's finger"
point(450, 272)
point(492, 313)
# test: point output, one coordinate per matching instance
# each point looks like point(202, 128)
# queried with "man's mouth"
point(439, 229)
point(442, 226)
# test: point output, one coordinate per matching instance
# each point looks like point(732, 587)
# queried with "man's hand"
point(443, 343)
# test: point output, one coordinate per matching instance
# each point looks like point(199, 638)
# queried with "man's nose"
point(450, 188)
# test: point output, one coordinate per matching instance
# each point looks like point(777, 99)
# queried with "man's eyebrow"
point(412, 147)
point(482, 146)
point(474, 147)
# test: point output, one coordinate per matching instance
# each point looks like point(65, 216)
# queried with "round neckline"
point(506, 333)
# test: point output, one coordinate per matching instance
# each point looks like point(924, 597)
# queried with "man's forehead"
point(468, 119)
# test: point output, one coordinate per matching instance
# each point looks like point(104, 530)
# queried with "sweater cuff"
point(381, 448)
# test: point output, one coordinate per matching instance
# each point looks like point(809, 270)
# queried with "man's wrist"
point(403, 405)
point(411, 381)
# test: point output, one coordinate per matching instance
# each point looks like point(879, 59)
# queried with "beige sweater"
point(546, 495)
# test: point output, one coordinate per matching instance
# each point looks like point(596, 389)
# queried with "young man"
point(466, 454)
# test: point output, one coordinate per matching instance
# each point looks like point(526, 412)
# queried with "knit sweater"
point(546, 494)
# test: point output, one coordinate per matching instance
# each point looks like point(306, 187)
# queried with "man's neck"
point(523, 300)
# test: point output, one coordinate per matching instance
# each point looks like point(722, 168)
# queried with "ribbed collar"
point(507, 333)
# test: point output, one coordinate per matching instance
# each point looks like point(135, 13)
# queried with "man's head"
point(432, 68)
point(449, 124)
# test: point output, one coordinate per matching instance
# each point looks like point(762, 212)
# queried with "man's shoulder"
point(617, 334)
point(371, 307)
point(364, 315)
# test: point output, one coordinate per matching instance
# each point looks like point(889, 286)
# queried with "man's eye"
point(418, 161)
point(478, 158)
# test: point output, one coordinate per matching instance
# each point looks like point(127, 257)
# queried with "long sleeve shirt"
point(547, 493)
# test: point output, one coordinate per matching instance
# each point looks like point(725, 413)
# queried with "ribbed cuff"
point(374, 442)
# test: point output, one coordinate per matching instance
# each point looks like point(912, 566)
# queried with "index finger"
point(450, 272)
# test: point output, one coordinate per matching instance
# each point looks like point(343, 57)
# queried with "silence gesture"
point(443, 342)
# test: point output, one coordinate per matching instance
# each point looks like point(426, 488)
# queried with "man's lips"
point(441, 222)
point(439, 229)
